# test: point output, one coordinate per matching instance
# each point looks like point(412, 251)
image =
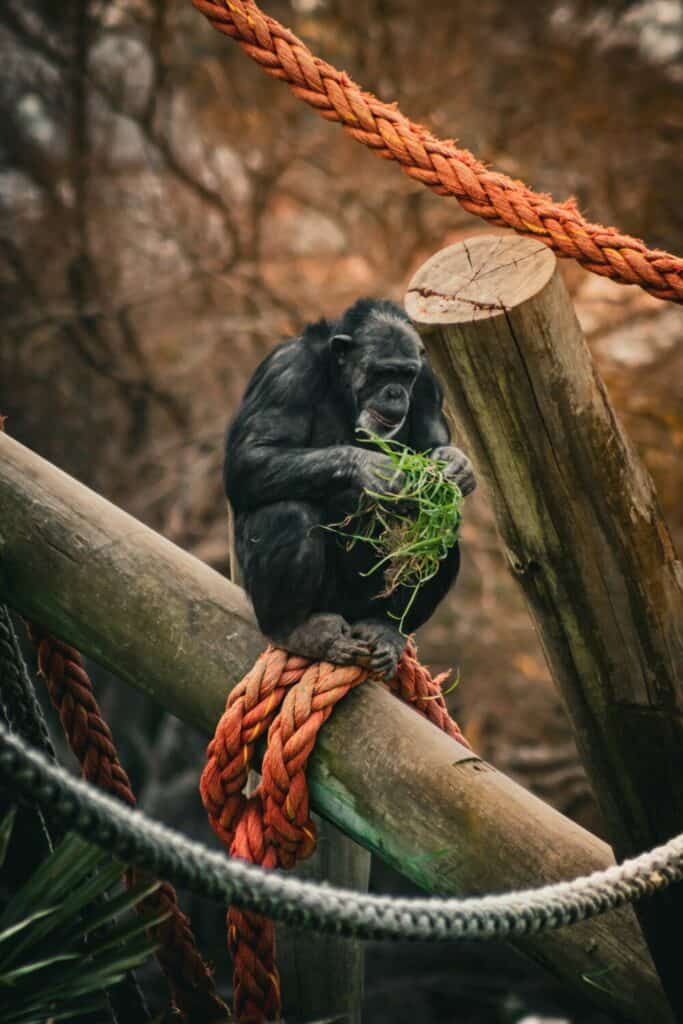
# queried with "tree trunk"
point(582, 531)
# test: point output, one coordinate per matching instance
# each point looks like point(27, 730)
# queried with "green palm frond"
point(62, 942)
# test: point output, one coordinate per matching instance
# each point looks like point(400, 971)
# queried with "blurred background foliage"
point(169, 213)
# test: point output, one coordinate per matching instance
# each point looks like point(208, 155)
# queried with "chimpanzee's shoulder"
point(295, 366)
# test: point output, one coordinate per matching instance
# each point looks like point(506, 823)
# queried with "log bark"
point(582, 531)
point(167, 624)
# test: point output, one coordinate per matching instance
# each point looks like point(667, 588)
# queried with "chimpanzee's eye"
point(405, 377)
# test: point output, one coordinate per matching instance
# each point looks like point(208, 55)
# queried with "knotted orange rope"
point(289, 698)
point(90, 739)
point(440, 164)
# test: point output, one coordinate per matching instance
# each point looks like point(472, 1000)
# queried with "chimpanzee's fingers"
point(450, 454)
point(454, 470)
point(466, 481)
point(395, 483)
point(460, 461)
point(398, 481)
point(384, 661)
point(347, 651)
point(459, 469)
point(444, 453)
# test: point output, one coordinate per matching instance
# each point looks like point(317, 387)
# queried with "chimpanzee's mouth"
point(383, 420)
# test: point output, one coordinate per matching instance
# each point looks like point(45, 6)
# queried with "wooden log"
point(321, 975)
point(166, 623)
point(582, 530)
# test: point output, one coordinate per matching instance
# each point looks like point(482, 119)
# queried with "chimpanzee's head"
point(378, 355)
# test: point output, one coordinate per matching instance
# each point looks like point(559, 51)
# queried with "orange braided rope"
point(291, 698)
point(90, 739)
point(440, 164)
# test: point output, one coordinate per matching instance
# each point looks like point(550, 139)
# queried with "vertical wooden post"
point(583, 534)
point(322, 975)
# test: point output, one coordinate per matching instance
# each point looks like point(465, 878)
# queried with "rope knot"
point(289, 698)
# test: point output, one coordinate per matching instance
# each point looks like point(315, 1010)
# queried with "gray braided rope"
point(21, 710)
point(24, 713)
point(137, 839)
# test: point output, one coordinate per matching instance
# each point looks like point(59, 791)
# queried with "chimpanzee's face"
point(378, 368)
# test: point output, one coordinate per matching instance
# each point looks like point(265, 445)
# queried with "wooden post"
point(166, 623)
point(321, 975)
point(582, 531)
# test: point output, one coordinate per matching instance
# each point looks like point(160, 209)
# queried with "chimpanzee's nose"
point(394, 392)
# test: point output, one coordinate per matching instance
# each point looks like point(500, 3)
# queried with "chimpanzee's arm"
point(267, 454)
point(262, 474)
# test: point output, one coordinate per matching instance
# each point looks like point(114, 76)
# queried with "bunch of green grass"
point(410, 532)
point(62, 943)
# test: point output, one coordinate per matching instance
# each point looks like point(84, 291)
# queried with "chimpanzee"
point(295, 461)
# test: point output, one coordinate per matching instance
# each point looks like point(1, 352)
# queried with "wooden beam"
point(168, 624)
point(582, 530)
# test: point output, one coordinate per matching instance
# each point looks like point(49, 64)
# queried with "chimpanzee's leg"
point(282, 553)
point(382, 632)
point(282, 557)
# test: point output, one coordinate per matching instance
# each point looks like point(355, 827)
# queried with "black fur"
point(295, 463)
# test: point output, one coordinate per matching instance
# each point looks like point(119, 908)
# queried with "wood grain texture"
point(167, 624)
point(582, 530)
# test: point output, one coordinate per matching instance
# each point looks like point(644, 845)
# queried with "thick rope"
point(290, 698)
point(90, 739)
point(440, 164)
point(137, 839)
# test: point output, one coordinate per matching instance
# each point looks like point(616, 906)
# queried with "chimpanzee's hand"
point(459, 469)
point(377, 472)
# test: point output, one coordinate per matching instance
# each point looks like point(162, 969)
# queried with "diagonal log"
point(582, 529)
point(168, 624)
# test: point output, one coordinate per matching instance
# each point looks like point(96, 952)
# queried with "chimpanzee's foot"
point(385, 642)
point(326, 637)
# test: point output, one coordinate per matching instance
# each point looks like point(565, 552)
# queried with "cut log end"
point(479, 278)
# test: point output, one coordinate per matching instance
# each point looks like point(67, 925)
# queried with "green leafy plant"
point(62, 943)
point(410, 532)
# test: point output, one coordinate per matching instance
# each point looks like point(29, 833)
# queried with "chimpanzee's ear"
point(340, 345)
